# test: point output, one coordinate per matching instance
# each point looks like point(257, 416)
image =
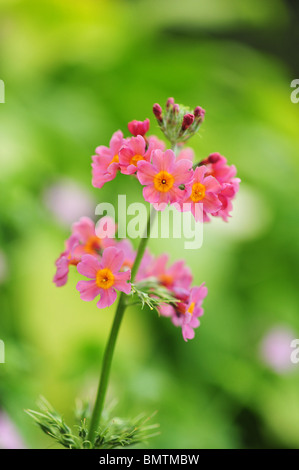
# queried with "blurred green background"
point(76, 71)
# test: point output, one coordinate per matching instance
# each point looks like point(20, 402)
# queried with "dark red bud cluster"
point(187, 121)
point(157, 110)
point(177, 122)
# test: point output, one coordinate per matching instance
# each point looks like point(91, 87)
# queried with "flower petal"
point(108, 297)
point(89, 266)
point(112, 258)
point(88, 290)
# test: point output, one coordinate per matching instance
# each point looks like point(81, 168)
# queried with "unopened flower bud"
point(176, 109)
point(139, 127)
point(169, 102)
point(157, 110)
point(214, 157)
point(187, 121)
point(199, 112)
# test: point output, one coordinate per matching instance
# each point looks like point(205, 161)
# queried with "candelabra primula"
point(111, 265)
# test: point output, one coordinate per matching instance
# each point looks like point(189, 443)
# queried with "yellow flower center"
point(92, 245)
point(163, 181)
point(191, 308)
point(198, 192)
point(105, 278)
point(115, 159)
point(136, 158)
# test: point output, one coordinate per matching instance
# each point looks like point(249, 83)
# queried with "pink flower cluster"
point(177, 278)
point(206, 189)
point(107, 263)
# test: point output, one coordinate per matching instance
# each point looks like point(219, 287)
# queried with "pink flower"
point(82, 241)
point(163, 177)
point(227, 193)
point(217, 167)
point(129, 259)
point(137, 149)
point(131, 153)
point(129, 254)
point(93, 239)
point(185, 313)
point(186, 153)
point(139, 127)
point(202, 195)
point(105, 277)
point(67, 201)
point(9, 435)
point(65, 260)
point(176, 276)
point(155, 143)
point(193, 311)
point(106, 161)
point(143, 271)
point(276, 348)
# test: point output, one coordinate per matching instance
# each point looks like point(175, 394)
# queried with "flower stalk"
point(109, 351)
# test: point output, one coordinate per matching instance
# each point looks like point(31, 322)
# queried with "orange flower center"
point(136, 158)
point(191, 308)
point(166, 279)
point(198, 192)
point(92, 245)
point(163, 181)
point(105, 278)
point(115, 159)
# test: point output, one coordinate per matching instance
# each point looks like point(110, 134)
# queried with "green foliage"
point(152, 294)
point(114, 432)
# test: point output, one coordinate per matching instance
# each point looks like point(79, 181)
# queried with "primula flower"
point(135, 150)
point(155, 143)
point(91, 238)
point(163, 177)
point(82, 241)
point(131, 153)
point(129, 254)
point(186, 312)
point(106, 161)
point(176, 276)
point(202, 190)
point(139, 127)
point(65, 260)
point(105, 277)
point(193, 310)
point(227, 193)
point(129, 259)
point(186, 153)
point(217, 167)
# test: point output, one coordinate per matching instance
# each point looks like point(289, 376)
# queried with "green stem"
point(142, 244)
point(108, 355)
